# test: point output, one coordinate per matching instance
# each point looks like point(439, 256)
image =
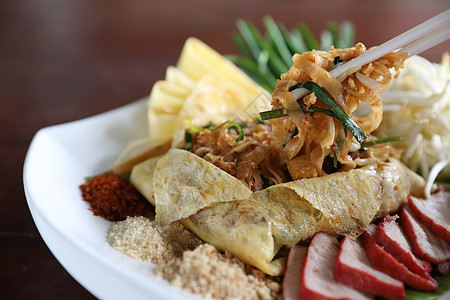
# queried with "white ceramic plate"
point(58, 160)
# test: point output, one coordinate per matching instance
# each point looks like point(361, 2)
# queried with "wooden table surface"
point(62, 60)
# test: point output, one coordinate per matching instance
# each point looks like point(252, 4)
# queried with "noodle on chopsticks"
point(309, 138)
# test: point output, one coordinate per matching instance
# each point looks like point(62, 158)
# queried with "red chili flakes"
point(114, 198)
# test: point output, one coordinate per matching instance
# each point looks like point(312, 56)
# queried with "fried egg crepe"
point(254, 226)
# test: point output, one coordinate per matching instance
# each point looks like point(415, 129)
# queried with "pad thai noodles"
point(308, 140)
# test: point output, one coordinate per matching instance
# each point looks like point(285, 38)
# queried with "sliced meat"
point(434, 213)
point(384, 262)
point(371, 229)
point(317, 277)
point(292, 277)
point(444, 267)
point(392, 238)
point(353, 268)
point(425, 244)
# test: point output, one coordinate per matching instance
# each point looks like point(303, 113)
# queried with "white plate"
point(58, 160)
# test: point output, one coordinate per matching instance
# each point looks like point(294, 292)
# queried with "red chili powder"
point(114, 198)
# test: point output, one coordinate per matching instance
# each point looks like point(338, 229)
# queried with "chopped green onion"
point(279, 113)
point(294, 43)
point(333, 29)
point(257, 44)
point(196, 129)
point(308, 36)
point(298, 40)
point(337, 60)
point(278, 40)
point(235, 125)
point(326, 40)
point(346, 121)
point(210, 126)
point(314, 109)
point(262, 75)
point(266, 182)
point(188, 140)
point(347, 34)
point(259, 121)
point(242, 45)
point(248, 39)
point(335, 160)
point(381, 141)
point(272, 114)
point(264, 56)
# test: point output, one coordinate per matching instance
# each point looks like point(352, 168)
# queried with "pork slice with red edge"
point(353, 268)
point(386, 263)
point(444, 267)
point(292, 277)
point(425, 244)
point(317, 280)
point(392, 238)
point(434, 213)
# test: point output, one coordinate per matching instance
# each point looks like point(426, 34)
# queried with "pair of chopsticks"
point(414, 41)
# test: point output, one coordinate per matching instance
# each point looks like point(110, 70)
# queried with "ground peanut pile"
point(143, 239)
point(207, 272)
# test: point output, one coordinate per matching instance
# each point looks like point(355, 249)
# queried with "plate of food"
point(228, 183)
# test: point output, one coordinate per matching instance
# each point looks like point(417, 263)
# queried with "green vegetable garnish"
point(308, 36)
point(210, 126)
point(188, 140)
point(265, 56)
point(313, 109)
point(257, 45)
point(335, 159)
point(381, 141)
point(278, 41)
point(273, 114)
point(346, 121)
point(337, 60)
point(444, 287)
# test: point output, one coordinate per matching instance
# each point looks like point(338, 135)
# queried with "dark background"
point(62, 60)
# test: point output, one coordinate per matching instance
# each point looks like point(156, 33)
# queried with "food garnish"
point(210, 126)
point(264, 56)
point(114, 198)
point(381, 141)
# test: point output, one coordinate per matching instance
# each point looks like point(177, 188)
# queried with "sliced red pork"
point(292, 277)
point(353, 268)
point(444, 267)
point(425, 244)
point(317, 277)
point(434, 213)
point(392, 238)
point(384, 262)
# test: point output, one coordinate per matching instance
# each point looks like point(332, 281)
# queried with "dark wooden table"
point(62, 60)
